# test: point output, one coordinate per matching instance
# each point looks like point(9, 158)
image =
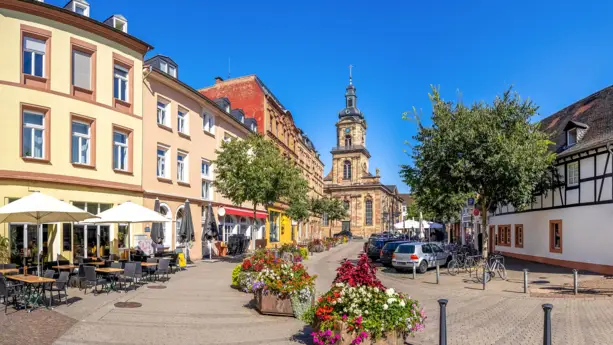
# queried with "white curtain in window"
point(81, 69)
point(34, 44)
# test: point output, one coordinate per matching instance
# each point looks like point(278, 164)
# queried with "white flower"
point(390, 300)
point(340, 300)
point(333, 302)
point(389, 292)
point(339, 284)
point(402, 304)
point(366, 312)
point(385, 307)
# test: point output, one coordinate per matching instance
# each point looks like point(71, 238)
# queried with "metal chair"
point(151, 270)
point(91, 279)
point(7, 291)
point(162, 269)
point(128, 275)
point(61, 284)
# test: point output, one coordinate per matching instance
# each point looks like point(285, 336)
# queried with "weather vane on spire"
point(350, 77)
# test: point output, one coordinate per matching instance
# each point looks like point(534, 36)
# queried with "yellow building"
point(71, 96)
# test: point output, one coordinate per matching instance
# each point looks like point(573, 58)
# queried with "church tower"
point(350, 156)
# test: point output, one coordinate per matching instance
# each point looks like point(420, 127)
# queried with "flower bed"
point(358, 309)
point(300, 254)
point(243, 276)
point(316, 246)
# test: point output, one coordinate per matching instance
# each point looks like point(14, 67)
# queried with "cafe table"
point(32, 294)
point(95, 263)
point(110, 271)
point(148, 264)
point(65, 267)
point(8, 270)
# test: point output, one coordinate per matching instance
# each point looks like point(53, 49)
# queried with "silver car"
point(423, 255)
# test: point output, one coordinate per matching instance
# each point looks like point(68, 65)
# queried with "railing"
point(349, 148)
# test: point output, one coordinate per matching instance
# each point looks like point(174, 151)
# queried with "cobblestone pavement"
point(40, 327)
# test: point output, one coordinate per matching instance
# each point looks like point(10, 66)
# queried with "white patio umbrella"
point(127, 213)
point(40, 208)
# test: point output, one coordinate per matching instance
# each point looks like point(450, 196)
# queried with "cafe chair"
point(60, 285)
point(92, 280)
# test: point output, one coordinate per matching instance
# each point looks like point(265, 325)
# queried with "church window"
point(347, 140)
point(346, 204)
point(347, 170)
point(368, 211)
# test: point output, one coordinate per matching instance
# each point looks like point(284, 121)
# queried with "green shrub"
point(235, 272)
point(304, 252)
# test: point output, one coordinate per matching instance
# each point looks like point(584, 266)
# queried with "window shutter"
point(81, 69)
point(34, 44)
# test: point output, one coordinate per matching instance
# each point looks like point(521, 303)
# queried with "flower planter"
point(390, 338)
point(269, 304)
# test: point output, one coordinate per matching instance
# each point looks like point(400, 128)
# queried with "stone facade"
point(371, 206)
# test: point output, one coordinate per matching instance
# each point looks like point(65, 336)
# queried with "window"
point(555, 236)
point(270, 123)
point(81, 9)
point(324, 219)
point(182, 121)
point(66, 236)
point(162, 167)
point(81, 140)
point(164, 66)
point(346, 204)
point(368, 212)
point(504, 235)
point(208, 123)
point(350, 103)
point(33, 135)
point(348, 140)
point(274, 219)
point(205, 169)
point(120, 150)
point(34, 51)
point(163, 110)
point(519, 236)
point(120, 25)
point(572, 174)
point(347, 170)
point(172, 70)
point(182, 168)
point(227, 137)
point(120, 83)
point(207, 191)
point(81, 69)
point(571, 137)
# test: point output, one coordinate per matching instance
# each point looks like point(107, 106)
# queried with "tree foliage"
point(493, 151)
point(333, 208)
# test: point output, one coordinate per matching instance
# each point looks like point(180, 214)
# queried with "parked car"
point(375, 244)
point(344, 233)
point(385, 256)
point(424, 255)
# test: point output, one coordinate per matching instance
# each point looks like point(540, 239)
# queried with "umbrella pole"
point(39, 244)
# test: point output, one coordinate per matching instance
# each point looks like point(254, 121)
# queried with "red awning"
point(244, 212)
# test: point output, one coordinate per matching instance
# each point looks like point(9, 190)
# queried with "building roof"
point(592, 114)
point(408, 198)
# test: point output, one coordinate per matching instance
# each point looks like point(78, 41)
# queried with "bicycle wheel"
point(502, 271)
point(479, 274)
point(469, 265)
point(452, 267)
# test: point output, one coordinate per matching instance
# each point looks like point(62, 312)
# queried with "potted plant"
point(316, 246)
point(284, 289)
point(358, 309)
point(243, 276)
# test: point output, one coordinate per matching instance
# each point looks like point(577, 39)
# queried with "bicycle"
point(461, 261)
point(494, 265)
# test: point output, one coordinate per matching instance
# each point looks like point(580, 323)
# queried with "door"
point(428, 255)
point(346, 226)
point(492, 236)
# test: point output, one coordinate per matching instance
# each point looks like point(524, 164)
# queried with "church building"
point(371, 206)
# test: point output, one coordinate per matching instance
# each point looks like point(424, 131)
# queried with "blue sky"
point(554, 52)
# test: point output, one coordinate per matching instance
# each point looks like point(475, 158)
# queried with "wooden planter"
point(391, 338)
point(273, 305)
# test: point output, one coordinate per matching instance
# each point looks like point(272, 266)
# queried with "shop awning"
point(235, 211)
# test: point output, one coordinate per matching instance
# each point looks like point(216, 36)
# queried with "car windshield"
point(390, 247)
point(406, 249)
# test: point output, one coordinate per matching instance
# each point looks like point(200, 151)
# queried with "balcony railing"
point(349, 148)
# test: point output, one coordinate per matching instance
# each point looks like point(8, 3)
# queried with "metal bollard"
point(438, 273)
point(442, 334)
point(547, 325)
point(525, 280)
point(575, 281)
point(414, 264)
point(484, 273)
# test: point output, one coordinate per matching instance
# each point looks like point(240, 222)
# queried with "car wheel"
point(423, 266)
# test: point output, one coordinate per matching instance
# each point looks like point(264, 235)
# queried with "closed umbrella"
point(210, 231)
point(186, 230)
point(40, 208)
point(157, 234)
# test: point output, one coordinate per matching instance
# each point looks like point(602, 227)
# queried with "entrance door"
point(346, 226)
point(492, 236)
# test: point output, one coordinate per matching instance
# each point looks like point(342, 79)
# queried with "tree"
point(253, 170)
point(332, 208)
point(298, 200)
point(492, 151)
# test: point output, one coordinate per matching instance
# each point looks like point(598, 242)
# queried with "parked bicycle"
point(462, 261)
point(494, 265)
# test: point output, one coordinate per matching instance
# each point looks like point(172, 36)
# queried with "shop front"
point(279, 226)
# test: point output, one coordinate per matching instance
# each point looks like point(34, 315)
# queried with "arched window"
point(347, 170)
point(368, 211)
point(348, 140)
point(166, 227)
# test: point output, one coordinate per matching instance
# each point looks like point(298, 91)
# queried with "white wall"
point(587, 233)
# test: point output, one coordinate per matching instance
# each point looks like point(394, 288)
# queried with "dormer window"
point(79, 7)
point(571, 137)
point(172, 70)
point(164, 66)
point(118, 22)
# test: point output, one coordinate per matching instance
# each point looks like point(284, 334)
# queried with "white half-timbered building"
point(570, 226)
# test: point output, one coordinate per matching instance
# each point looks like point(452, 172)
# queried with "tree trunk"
point(484, 227)
point(253, 229)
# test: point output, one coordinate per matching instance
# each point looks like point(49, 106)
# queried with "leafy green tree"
point(253, 170)
point(297, 198)
point(493, 151)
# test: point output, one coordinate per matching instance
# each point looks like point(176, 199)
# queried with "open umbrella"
point(186, 230)
point(157, 234)
point(127, 213)
point(40, 208)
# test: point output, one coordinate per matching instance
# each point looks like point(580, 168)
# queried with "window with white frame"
point(227, 137)
point(33, 136)
point(182, 167)
point(81, 139)
point(162, 166)
point(571, 137)
point(208, 123)
point(572, 174)
point(120, 83)
point(34, 56)
point(207, 190)
point(81, 69)
point(120, 150)
point(182, 121)
point(163, 110)
point(172, 70)
point(164, 66)
point(205, 169)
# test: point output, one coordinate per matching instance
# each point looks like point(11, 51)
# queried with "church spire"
point(351, 99)
point(350, 77)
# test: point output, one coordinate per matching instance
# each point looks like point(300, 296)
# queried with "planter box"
point(391, 338)
point(273, 305)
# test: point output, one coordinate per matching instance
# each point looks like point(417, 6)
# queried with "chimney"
point(218, 80)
